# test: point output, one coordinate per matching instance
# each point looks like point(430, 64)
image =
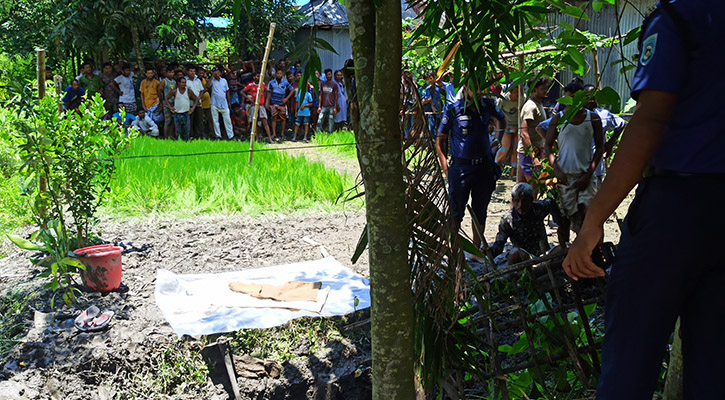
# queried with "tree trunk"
point(377, 70)
point(673, 381)
point(137, 50)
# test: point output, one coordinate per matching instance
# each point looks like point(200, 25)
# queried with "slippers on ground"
point(92, 320)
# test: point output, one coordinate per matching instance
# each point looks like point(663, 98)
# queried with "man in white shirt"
point(127, 97)
point(194, 84)
point(145, 125)
point(219, 90)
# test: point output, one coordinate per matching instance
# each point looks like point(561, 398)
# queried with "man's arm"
point(551, 134)
point(644, 135)
point(335, 94)
point(504, 232)
point(442, 141)
point(143, 101)
point(585, 180)
point(166, 100)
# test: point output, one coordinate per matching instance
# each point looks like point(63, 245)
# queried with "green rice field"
point(337, 138)
point(191, 185)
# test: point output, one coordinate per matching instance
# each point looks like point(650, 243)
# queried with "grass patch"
point(300, 337)
point(333, 140)
point(14, 210)
point(13, 308)
point(275, 182)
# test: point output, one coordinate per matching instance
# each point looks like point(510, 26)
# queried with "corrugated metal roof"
point(330, 13)
point(324, 13)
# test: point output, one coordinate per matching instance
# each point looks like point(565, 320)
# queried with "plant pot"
point(103, 267)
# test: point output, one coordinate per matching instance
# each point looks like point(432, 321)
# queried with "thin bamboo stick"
point(252, 137)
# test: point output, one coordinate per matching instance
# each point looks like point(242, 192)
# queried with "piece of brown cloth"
point(289, 291)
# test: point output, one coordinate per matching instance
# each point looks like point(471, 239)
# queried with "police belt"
point(655, 171)
point(468, 161)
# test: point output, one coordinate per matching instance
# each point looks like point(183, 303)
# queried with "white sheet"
point(203, 304)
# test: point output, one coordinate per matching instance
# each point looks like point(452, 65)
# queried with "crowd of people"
point(507, 128)
point(174, 101)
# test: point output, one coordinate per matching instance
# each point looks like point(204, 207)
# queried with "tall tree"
point(375, 32)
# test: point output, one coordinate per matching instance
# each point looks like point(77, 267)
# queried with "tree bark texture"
point(673, 381)
point(137, 49)
point(376, 36)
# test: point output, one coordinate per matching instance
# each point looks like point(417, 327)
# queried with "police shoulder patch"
point(648, 49)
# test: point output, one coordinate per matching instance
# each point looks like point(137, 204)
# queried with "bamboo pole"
point(597, 72)
point(252, 137)
point(42, 183)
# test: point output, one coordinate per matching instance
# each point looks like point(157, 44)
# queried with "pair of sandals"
point(93, 320)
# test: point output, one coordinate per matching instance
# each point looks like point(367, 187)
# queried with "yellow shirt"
point(150, 92)
point(205, 99)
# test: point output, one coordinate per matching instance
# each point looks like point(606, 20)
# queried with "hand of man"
point(583, 181)
point(578, 262)
point(319, 110)
point(535, 161)
point(560, 175)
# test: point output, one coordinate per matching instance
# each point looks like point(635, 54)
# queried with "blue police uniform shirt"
point(695, 138)
point(468, 127)
point(278, 91)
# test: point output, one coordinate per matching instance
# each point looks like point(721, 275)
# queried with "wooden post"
point(41, 73)
point(42, 183)
point(597, 73)
point(252, 137)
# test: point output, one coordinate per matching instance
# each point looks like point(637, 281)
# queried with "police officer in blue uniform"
point(471, 170)
point(669, 260)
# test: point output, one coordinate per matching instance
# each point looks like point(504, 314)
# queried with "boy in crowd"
point(149, 89)
point(125, 122)
point(574, 165)
point(219, 90)
point(239, 120)
point(73, 95)
point(531, 144)
point(277, 96)
point(250, 94)
point(304, 99)
point(341, 116)
point(165, 87)
point(329, 91)
point(110, 90)
point(127, 97)
point(524, 225)
point(207, 128)
point(196, 86)
point(432, 101)
point(509, 104)
point(145, 125)
point(90, 82)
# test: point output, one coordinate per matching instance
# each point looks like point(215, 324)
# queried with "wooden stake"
point(253, 136)
point(42, 183)
point(597, 73)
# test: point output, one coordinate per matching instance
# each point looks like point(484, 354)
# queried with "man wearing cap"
point(471, 172)
point(220, 104)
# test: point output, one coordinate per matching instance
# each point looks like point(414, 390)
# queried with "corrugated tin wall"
point(605, 23)
point(339, 38)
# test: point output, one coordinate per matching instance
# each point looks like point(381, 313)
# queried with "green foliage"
point(275, 182)
point(250, 36)
point(299, 337)
point(175, 370)
point(66, 152)
point(13, 320)
point(339, 142)
point(16, 71)
point(219, 50)
point(14, 211)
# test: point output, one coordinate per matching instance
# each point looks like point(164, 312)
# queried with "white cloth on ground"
point(203, 304)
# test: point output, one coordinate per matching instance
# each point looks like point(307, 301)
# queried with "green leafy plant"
point(67, 166)
point(60, 265)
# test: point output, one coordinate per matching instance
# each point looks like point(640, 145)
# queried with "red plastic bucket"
point(103, 267)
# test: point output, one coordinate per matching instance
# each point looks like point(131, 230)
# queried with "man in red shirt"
point(250, 94)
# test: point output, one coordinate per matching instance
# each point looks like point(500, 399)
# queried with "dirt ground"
point(57, 362)
point(60, 363)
